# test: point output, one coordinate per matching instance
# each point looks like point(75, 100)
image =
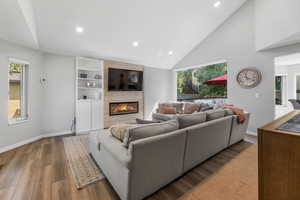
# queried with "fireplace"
point(123, 108)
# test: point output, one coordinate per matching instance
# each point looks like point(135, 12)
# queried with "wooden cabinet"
point(279, 162)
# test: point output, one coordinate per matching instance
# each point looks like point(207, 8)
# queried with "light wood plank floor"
point(39, 171)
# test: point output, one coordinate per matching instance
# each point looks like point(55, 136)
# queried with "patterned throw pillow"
point(190, 108)
point(119, 130)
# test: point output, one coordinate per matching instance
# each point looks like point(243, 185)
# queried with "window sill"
point(17, 122)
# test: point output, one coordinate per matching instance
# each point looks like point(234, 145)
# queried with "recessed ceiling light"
point(79, 29)
point(217, 4)
point(135, 44)
point(170, 53)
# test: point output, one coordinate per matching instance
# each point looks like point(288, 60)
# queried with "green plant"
point(190, 82)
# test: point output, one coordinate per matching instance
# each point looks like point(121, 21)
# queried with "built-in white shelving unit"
point(89, 94)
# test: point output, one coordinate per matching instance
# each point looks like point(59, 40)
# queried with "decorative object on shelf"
point(93, 84)
point(83, 75)
point(88, 84)
point(84, 97)
point(97, 76)
point(249, 78)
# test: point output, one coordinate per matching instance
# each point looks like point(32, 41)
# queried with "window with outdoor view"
point(202, 83)
point(17, 101)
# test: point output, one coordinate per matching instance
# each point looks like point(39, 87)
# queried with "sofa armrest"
point(116, 148)
point(156, 161)
point(238, 131)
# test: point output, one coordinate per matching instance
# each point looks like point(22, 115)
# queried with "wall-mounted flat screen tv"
point(125, 80)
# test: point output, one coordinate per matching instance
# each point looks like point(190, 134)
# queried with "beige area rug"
point(238, 180)
point(83, 167)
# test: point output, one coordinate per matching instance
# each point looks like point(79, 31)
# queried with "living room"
point(106, 99)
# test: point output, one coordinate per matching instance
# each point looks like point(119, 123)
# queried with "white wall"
point(157, 88)
point(59, 93)
point(276, 21)
point(234, 41)
point(16, 133)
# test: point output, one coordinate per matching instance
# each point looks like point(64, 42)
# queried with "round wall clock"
point(249, 78)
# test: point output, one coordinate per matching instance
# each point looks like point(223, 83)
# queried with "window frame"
point(24, 91)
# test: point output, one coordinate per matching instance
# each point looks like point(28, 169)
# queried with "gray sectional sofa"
point(150, 163)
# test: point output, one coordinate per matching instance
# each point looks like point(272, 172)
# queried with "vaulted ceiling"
point(165, 30)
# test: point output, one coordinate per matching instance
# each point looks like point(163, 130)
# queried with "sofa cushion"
point(228, 112)
point(149, 130)
point(190, 108)
point(163, 117)
point(206, 107)
point(215, 114)
point(142, 121)
point(119, 130)
point(191, 119)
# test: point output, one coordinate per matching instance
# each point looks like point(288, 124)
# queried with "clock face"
point(249, 78)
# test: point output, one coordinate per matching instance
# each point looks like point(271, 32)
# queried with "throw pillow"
point(167, 110)
point(191, 119)
point(141, 121)
point(190, 108)
point(215, 114)
point(119, 130)
point(149, 130)
point(178, 106)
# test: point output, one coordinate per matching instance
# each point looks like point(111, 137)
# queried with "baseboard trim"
point(33, 139)
point(18, 144)
point(251, 133)
point(57, 134)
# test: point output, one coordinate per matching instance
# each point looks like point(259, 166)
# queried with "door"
point(298, 87)
point(83, 116)
point(281, 90)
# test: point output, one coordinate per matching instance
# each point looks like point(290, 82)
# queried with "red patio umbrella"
point(220, 80)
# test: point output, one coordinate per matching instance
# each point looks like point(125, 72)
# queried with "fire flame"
point(123, 108)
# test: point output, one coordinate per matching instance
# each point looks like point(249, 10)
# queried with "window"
point(204, 82)
point(17, 101)
point(281, 90)
point(278, 88)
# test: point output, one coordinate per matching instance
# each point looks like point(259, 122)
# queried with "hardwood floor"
point(39, 171)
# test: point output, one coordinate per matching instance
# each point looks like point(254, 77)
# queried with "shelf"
point(89, 79)
point(89, 88)
point(82, 68)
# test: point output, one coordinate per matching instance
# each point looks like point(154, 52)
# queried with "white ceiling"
point(110, 27)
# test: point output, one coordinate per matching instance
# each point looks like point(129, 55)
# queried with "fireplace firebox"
point(123, 108)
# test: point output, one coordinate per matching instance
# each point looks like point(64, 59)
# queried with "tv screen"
point(125, 80)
